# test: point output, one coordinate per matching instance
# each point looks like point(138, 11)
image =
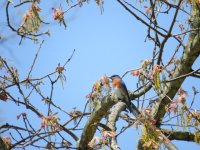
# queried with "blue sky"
point(108, 43)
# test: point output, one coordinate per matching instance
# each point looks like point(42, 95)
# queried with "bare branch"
point(112, 119)
point(168, 33)
point(36, 55)
point(181, 135)
point(191, 53)
point(91, 125)
point(141, 20)
point(182, 76)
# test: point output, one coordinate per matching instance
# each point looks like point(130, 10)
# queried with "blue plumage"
point(120, 91)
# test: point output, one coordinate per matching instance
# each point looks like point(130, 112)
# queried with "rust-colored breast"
point(116, 83)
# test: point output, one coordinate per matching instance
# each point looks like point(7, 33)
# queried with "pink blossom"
point(157, 68)
point(148, 9)
point(3, 96)
point(136, 72)
point(104, 80)
point(57, 14)
point(182, 95)
point(7, 141)
point(44, 122)
point(37, 8)
point(180, 99)
point(174, 107)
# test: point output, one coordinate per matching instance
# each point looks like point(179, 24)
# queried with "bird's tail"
point(133, 109)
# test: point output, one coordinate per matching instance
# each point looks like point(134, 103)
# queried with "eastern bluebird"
point(120, 91)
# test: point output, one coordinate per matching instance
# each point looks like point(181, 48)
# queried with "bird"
point(120, 92)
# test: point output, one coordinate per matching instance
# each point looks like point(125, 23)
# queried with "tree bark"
point(112, 119)
point(90, 128)
point(190, 54)
point(181, 135)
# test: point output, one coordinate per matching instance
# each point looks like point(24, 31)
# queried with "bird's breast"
point(117, 93)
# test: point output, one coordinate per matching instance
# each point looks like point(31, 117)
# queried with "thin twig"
point(69, 58)
point(182, 76)
point(36, 55)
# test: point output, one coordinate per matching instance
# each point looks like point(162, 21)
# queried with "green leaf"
point(157, 80)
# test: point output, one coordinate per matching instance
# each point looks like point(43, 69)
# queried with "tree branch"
point(168, 34)
point(140, 92)
point(183, 76)
point(141, 20)
point(112, 119)
point(91, 125)
point(181, 135)
point(190, 54)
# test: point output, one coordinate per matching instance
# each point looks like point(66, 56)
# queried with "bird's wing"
point(125, 89)
point(133, 109)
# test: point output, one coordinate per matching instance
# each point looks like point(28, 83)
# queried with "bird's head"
point(114, 77)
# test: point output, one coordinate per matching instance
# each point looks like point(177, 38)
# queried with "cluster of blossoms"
point(31, 21)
